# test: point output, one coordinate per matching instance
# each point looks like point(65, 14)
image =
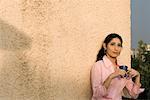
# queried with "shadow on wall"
point(15, 73)
point(12, 39)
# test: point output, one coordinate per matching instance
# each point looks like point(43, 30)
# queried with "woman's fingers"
point(123, 73)
point(133, 73)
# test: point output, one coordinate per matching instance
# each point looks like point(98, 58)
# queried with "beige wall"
point(47, 47)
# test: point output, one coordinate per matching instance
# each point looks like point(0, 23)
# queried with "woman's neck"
point(113, 60)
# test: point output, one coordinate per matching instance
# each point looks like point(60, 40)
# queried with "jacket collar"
point(108, 63)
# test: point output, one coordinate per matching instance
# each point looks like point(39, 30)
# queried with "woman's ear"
point(104, 46)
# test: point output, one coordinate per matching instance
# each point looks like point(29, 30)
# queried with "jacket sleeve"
point(96, 78)
point(133, 89)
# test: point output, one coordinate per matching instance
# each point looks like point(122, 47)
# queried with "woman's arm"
point(108, 81)
point(117, 73)
point(137, 79)
point(134, 87)
point(96, 79)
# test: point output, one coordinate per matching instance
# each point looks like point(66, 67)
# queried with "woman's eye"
point(112, 43)
point(119, 45)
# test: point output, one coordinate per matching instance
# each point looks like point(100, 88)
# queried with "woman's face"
point(113, 48)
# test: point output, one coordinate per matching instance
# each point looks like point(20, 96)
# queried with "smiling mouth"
point(116, 52)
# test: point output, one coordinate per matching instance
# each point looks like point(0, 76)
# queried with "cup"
point(124, 67)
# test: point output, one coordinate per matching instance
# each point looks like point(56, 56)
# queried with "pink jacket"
point(118, 87)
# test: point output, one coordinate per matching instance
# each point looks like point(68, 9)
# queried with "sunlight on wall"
point(47, 47)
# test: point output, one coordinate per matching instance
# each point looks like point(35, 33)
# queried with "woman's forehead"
point(115, 40)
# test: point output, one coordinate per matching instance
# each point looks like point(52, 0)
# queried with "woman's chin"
point(114, 56)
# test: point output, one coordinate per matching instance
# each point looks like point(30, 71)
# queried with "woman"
point(109, 82)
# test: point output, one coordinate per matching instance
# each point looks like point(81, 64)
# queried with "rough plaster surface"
point(47, 47)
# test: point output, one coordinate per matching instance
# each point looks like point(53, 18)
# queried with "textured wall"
point(47, 47)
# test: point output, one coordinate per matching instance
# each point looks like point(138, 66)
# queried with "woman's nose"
point(116, 47)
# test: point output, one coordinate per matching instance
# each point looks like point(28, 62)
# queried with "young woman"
point(109, 82)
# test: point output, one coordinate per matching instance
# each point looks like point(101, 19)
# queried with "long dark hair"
point(101, 52)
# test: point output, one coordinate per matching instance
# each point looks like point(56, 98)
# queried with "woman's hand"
point(136, 74)
point(118, 72)
point(133, 73)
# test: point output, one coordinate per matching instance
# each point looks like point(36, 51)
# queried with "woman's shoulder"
point(97, 66)
point(98, 63)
